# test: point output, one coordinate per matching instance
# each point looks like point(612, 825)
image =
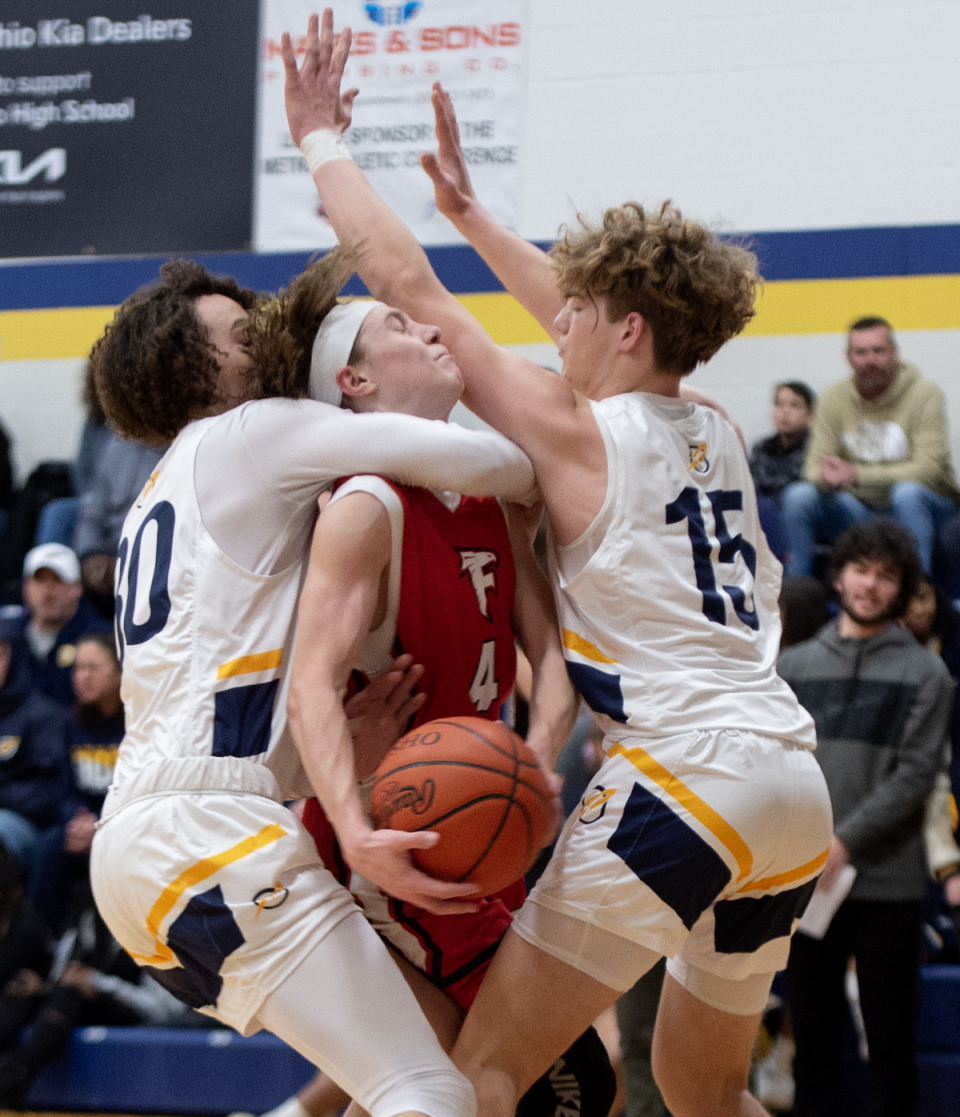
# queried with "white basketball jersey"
point(205, 644)
point(668, 603)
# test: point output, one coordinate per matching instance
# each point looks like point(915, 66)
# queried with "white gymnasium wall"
point(763, 114)
point(40, 407)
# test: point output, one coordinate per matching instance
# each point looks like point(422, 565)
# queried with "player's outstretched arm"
point(553, 701)
point(525, 271)
point(536, 409)
point(350, 550)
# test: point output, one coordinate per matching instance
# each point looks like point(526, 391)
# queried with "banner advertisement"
point(476, 48)
point(126, 126)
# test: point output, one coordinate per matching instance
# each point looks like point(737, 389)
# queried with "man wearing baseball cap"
point(53, 615)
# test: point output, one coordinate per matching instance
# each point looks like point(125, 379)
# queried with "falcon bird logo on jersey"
point(475, 564)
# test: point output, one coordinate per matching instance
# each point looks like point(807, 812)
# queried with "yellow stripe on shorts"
point(689, 800)
point(766, 883)
point(196, 873)
point(583, 647)
point(247, 664)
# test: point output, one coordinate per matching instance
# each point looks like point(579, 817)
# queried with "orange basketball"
point(477, 784)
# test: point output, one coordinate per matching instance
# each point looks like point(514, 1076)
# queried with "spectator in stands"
point(25, 951)
point(93, 732)
point(58, 518)
point(122, 471)
point(32, 758)
point(6, 476)
point(950, 549)
point(54, 615)
point(879, 444)
point(934, 623)
point(881, 704)
point(777, 461)
point(93, 981)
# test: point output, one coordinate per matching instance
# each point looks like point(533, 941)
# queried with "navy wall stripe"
point(807, 254)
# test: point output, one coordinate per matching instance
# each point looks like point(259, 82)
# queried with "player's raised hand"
point(379, 714)
point(383, 857)
point(448, 172)
point(312, 92)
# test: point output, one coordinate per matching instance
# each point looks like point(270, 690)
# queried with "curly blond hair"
point(695, 290)
point(282, 330)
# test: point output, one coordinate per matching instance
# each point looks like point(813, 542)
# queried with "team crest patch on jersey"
point(269, 898)
point(66, 655)
point(8, 747)
point(594, 804)
point(699, 462)
point(475, 564)
point(151, 481)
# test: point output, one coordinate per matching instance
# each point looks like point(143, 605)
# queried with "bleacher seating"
point(938, 1046)
point(170, 1071)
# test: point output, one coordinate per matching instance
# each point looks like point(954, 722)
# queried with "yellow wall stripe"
point(583, 647)
point(701, 811)
point(194, 875)
point(504, 319)
point(805, 306)
point(828, 306)
point(46, 335)
point(799, 873)
point(247, 664)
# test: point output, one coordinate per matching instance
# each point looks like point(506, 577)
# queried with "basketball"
point(479, 787)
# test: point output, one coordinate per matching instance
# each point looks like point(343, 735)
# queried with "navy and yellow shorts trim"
point(705, 846)
point(220, 895)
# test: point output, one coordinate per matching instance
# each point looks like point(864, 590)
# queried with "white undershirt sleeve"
point(261, 467)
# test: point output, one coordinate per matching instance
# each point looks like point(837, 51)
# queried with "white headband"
point(332, 345)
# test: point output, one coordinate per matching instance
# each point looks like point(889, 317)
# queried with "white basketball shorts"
point(703, 847)
point(220, 893)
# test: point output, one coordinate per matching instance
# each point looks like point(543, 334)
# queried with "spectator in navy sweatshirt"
point(92, 736)
point(32, 756)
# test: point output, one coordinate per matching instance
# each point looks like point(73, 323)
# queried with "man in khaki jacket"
point(879, 446)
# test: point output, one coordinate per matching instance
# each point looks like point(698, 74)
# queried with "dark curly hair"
point(154, 369)
point(695, 290)
point(282, 330)
point(883, 541)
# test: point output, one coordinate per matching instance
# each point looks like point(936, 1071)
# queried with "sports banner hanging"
point(476, 48)
point(126, 126)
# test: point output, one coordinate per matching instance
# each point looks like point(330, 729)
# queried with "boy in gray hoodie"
point(881, 703)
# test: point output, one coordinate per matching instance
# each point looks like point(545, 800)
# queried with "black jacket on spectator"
point(773, 467)
point(32, 757)
point(52, 675)
point(26, 945)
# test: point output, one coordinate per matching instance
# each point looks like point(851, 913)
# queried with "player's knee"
point(438, 1091)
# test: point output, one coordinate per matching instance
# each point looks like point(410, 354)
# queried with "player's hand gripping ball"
point(479, 787)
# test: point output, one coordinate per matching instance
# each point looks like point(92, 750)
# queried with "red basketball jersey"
point(456, 595)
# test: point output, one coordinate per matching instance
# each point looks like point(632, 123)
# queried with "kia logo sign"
point(51, 164)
